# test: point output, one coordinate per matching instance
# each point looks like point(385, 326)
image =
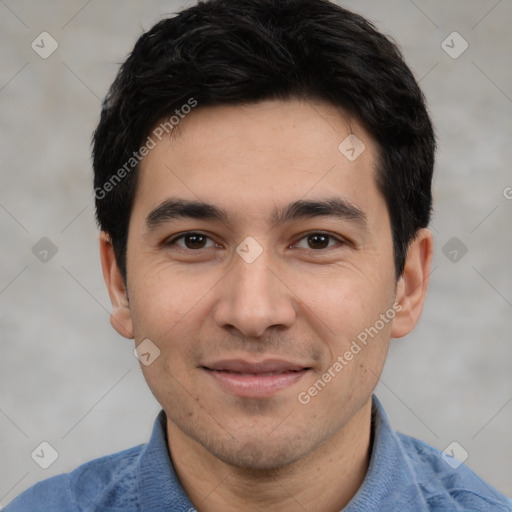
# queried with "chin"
point(258, 455)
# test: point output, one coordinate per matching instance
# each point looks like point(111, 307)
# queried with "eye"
point(317, 241)
point(192, 241)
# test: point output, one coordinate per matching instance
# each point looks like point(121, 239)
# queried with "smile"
point(255, 380)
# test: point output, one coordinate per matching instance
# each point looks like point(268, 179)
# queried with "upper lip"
point(244, 366)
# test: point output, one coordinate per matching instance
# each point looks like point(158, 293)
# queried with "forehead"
point(249, 159)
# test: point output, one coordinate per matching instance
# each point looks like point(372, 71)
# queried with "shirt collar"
point(390, 483)
point(159, 487)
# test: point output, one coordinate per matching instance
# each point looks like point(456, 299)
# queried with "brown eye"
point(192, 241)
point(317, 241)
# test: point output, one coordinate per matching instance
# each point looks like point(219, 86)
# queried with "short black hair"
point(229, 52)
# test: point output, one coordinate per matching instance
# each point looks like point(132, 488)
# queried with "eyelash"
point(183, 235)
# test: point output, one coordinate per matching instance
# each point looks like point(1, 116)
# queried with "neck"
point(326, 479)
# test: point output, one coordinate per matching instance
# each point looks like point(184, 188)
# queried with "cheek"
point(163, 300)
point(347, 381)
point(346, 302)
point(348, 321)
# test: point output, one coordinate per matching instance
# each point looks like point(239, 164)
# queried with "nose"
point(254, 297)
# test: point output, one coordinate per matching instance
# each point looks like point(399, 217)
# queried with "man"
point(262, 183)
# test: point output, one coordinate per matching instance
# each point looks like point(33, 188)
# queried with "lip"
point(255, 379)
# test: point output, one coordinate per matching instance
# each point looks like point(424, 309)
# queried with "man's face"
point(250, 310)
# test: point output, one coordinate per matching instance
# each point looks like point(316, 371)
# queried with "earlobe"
point(120, 317)
point(413, 283)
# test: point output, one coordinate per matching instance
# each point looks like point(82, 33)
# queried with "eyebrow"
point(172, 209)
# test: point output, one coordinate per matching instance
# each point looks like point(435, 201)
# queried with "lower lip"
point(255, 386)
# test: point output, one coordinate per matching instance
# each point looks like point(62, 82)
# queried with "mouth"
point(255, 379)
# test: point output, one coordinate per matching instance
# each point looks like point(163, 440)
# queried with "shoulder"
point(448, 485)
point(106, 483)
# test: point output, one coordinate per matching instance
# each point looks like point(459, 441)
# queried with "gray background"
point(67, 378)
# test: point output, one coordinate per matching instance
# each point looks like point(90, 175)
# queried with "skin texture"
point(298, 301)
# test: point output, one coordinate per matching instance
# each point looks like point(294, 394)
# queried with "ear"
point(120, 318)
point(412, 284)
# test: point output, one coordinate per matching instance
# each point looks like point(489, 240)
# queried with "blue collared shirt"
point(405, 474)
